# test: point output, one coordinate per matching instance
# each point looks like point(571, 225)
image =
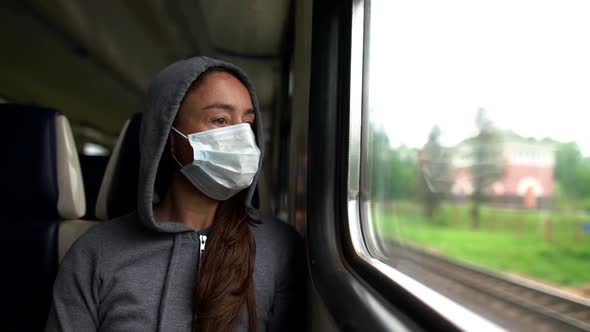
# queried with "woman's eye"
point(249, 120)
point(220, 121)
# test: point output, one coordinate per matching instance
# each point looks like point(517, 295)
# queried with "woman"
point(196, 256)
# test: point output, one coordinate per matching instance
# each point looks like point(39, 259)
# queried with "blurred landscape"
point(498, 200)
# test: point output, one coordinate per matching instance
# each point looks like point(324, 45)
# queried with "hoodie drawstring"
point(169, 273)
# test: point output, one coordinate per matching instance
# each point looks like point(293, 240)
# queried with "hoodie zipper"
point(202, 242)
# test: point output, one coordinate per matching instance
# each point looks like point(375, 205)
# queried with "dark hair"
point(225, 282)
point(225, 279)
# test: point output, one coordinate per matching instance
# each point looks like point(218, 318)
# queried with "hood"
point(164, 97)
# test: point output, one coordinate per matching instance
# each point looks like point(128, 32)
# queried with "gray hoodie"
point(136, 273)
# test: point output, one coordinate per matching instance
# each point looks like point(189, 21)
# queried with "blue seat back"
point(30, 213)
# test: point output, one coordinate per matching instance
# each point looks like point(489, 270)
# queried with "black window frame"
point(358, 296)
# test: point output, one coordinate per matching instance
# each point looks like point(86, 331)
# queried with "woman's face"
point(219, 100)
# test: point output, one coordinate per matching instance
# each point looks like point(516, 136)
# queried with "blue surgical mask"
point(225, 160)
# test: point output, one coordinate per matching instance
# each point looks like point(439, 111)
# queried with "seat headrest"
point(118, 190)
point(41, 174)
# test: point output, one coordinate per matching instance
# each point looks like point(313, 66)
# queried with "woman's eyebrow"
point(223, 106)
point(227, 107)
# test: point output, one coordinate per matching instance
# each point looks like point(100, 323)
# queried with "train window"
point(476, 169)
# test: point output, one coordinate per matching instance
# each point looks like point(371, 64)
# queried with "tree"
point(379, 165)
point(434, 173)
point(582, 183)
point(567, 160)
point(392, 172)
point(487, 164)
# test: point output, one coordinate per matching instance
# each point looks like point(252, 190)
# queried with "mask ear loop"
point(173, 156)
point(178, 131)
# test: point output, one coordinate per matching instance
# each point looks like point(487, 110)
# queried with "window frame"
point(361, 292)
point(353, 305)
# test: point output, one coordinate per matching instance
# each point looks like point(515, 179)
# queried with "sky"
point(527, 62)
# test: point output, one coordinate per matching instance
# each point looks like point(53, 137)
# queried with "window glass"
point(478, 169)
point(93, 149)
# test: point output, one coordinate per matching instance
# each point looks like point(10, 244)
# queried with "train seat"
point(93, 168)
point(118, 191)
point(41, 187)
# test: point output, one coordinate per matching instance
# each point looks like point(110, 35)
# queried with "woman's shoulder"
point(276, 237)
point(270, 227)
point(280, 256)
point(113, 233)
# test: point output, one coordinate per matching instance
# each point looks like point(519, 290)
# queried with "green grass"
point(564, 260)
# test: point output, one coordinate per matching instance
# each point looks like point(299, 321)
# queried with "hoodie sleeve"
point(75, 292)
point(290, 295)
